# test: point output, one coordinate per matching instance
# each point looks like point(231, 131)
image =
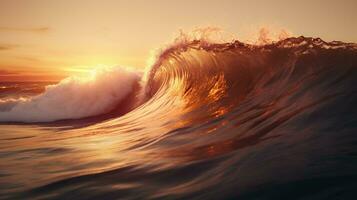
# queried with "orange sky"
point(50, 39)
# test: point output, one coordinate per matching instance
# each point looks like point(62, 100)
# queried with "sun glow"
point(87, 73)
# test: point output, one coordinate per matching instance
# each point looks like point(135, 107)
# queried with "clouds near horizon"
point(44, 29)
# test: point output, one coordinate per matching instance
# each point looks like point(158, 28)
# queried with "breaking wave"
point(202, 73)
point(208, 121)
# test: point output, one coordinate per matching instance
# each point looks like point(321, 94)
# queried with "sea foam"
point(73, 97)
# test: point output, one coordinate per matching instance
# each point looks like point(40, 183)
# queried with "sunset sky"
point(50, 39)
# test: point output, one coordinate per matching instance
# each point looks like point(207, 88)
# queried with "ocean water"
point(206, 121)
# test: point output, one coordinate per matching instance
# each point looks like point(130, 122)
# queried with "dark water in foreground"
point(217, 121)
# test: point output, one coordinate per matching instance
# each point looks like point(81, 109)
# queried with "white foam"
point(73, 97)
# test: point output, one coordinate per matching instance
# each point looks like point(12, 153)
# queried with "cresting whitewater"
point(207, 121)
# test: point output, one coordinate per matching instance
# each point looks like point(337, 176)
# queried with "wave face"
point(215, 121)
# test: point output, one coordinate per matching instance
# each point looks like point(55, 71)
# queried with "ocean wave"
point(201, 73)
point(210, 121)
